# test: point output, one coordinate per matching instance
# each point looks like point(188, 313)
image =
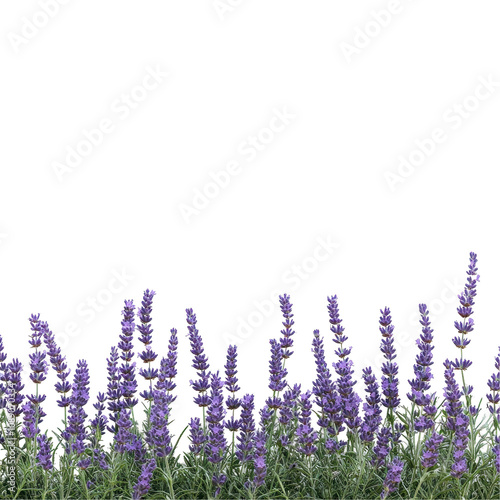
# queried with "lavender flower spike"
point(247, 429)
point(148, 355)
point(465, 312)
point(215, 418)
point(200, 362)
point(307, 436)
point(277, 376)
point(389, 368)
point(373, 413)
point(393, 477)
point(286, 341)
point(128, 383)
point(144, 482)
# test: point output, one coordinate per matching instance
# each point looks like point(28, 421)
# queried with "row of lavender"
point(285, 419)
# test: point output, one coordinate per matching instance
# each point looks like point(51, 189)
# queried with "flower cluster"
point(373, 413)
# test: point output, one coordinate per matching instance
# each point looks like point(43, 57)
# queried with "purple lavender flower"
point(286, 410)
point(123, 437)
point(231, 383)
point(144, 481)
point(382, 447)
point(496, 451)
point(259, 459)
point(98, 423)
point(196, 436)
point(168, 369)
point(430, 454)
point(44, 455)
point(457, 421)
point(494, 386)
point(286, 341)
point(306, 435)
point(423, 374)
point(3, 375)
point(145, 329)
point(215, 418)
point(344, 369)
point(114, 389)
point(158, 436)
point(75, 431)
point(277, 376)
point(128, 382)
point(218, 481)
point(14, 369)
point(59, 365)
point(244, 447)
point(389, 368)
point(373, 413)
point(393, 477)
point(465, 311)
point(200, 362)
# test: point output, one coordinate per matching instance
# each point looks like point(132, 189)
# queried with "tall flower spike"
point(277, 381)
point(259, 459)
point(389, 368)
point(215, 418)
point(75, 434)
point(3, 375)
point(430, 454)
point(59, 365)
point(44, 455)
point(457, 421)
point(494, 395)
point(144, 482)
point(393, 477)
point(145, 330)
point(306, 435)
point(128, 382)
point(286, 341)
point(168, 369)
point(465, 312)
point(14, 386)
point(231, 383)
point(423, 374)
point(114, 389)
point(373, 413)
point(244, 447)
point(158, 436)
point(200, 362)
point(344, 369)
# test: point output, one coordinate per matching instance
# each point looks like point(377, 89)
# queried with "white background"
point(359, 103)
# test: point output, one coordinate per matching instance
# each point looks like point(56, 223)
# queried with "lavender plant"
point(316, 442)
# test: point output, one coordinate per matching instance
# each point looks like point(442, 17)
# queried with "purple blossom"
point(148, 355)
point(286, 341)
point(306, 435)
point(98, 423)
point(247, 429)
point(114, 389)
point(382, 447)
point(423, 374)
point(14, 369)
point(3, 375)
point(218, 481)
point(231, 383)
point(168, 369)
point(158, 436)
point(59, 365)
point(259, 459)
point(373, 413)
point(389, 368)
point(430, 454)
point(215, 418)
point(393, 477)
point(465, 312)
point(496, 451)
point(75, 433)
point(123, 438)
point(128, 383)
point(44, 455)
point(144, 481)
point(277, 381)
point(344, 369)
point(494, 385)
point(200, 362)
point(196, 436)
point(457, 421)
